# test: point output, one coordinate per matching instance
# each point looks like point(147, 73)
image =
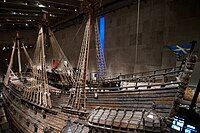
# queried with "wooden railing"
point(149, 74)
point(134, 87)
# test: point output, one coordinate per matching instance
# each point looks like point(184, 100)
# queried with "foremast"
point(38, 92)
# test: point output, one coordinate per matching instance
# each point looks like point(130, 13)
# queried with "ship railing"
point(156, 77)
point(26, 102)
point(23, 74)
point(131, 77)
point(136, 86)
point(15, 90)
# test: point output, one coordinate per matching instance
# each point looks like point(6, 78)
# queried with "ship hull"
point(28, 119)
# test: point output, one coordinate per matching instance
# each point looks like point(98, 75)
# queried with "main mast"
point(92, 7)
point(77, 98)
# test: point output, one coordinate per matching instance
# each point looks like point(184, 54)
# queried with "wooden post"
point(190, 63)
point(192, 106)
point(19, 56)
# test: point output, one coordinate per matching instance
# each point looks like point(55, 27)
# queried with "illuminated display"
point(178, 125)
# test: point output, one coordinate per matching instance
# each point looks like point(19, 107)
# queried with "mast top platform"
point(91, 7)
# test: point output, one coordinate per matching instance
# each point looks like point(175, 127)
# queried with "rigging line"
point(10, 64)
point(137, 32)
point(59, 50)
point(27, 56)
point(79, 29)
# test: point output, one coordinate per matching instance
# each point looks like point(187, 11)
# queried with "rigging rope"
point(137, 33)
point(6, 79)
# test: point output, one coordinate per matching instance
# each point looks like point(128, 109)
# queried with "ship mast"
point(38, 92)
point(46, 101)
point(8, 73)
point(91, 7)
point(6, 79)
point(19, 56)
point(77, 98)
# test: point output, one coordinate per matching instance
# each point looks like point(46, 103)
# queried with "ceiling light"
point(13, 13)
point(40, 5)
point(75, 10)
point(51, 15)
point(26, 24)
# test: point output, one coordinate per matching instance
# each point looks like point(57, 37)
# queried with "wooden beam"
point(16, 17)
point(33, 9)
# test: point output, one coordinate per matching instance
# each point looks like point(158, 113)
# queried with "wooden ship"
point(149, 104)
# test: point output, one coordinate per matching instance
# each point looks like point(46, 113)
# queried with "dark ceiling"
point(27, 13)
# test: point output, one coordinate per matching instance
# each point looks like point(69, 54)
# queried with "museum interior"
point(99, 66)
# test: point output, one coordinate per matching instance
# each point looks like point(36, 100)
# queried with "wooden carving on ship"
point(149, 104)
